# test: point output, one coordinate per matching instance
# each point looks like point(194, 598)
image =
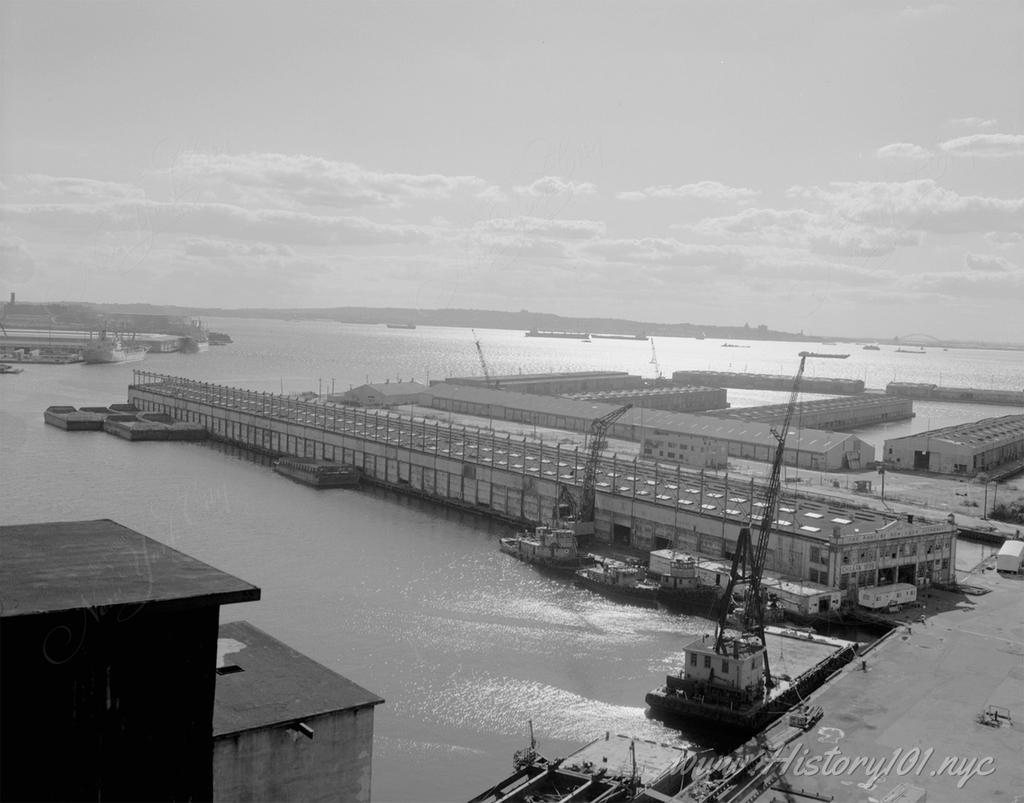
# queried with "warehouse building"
point(842, 413)
point(735, 379)
point(674, 399)
point(555, 384)
point(808, 448)
point(383, 394)
point(966, 449)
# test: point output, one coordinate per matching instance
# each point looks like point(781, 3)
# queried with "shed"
point(386, 394)
point(1010, 557)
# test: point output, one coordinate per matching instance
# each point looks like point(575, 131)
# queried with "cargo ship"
point(565, 335)
point(620, 337)
point(111, 349)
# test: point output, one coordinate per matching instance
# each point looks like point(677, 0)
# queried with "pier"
point(640, 504)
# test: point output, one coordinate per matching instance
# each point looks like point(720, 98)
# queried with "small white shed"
point(1010, 557)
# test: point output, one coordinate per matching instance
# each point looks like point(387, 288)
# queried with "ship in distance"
point(112, 348)
point(566, 335)
point(823, 354)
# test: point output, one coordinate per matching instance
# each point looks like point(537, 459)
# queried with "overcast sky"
point(846, 168)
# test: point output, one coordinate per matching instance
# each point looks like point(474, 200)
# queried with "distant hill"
point(484, 319)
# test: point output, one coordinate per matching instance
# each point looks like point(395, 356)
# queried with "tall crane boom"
point(753, 610)
point(598, 430)
point(483, 362)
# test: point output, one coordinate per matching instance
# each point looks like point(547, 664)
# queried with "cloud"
point(207, 247)
point(920, 205)
point(293, 181)
point(904, 150)
point(703, 190)
point(216, 219)
point(986, 146)
point(16, 262)
point(545, 227)
point(1004, 237)
point(971, 122)
point(822, 233)
point(989, 263)
point(40, 189)
point(665, 251)
point(553, 186)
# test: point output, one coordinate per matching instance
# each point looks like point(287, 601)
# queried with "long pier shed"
point(641, 504)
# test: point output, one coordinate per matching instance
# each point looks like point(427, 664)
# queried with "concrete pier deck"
point(915, 710)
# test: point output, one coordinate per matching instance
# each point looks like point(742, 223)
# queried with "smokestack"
point(12, 296)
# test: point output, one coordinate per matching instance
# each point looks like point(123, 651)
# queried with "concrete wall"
point(280, 764)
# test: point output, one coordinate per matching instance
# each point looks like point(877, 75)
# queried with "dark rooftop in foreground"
point(276, 684)
point(70, 565)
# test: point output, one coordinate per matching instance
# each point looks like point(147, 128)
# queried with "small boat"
point(823, 354)
point(618, 579)
point(552, 548)
point(910, 351)
point(218, 338)
point(7, 368)
point(872, 347)
point(401, 326)
point(734, 346)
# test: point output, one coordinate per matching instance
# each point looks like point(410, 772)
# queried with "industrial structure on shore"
point(994, 446)
point(114, 665)
point(642, 504)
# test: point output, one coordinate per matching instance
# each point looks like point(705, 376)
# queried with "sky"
point(839, 168)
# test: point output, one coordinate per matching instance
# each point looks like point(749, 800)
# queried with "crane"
point(654, 361)
point(597, 441)
point(753, 610)
point(483, 362)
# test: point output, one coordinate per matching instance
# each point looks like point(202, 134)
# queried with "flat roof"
point(277, 684)
point(540, 377)
point(802, 439)
point(74, 565)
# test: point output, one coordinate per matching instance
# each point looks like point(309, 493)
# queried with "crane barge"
point(727, 678)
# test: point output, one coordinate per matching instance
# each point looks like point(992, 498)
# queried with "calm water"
point(413, 602)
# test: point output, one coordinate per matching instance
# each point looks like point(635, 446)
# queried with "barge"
point(317, 473)
point(726, 690)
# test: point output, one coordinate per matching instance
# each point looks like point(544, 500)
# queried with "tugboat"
point(618, 579)
point(546, 547)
